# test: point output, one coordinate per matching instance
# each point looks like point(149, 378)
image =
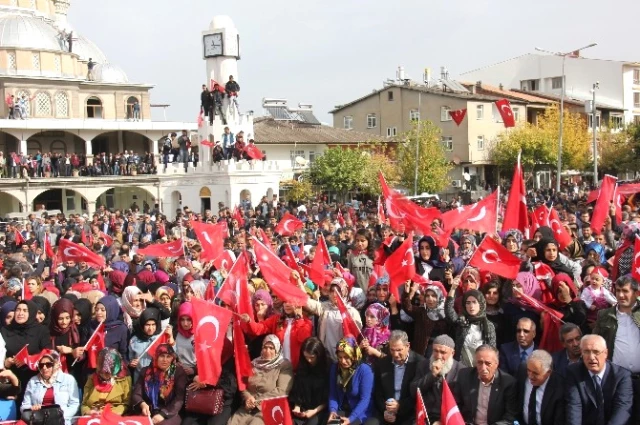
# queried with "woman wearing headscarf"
point(596, 252)
point(473, 329)
point(469, 279)
point(548, 252)
point(291, 327)
point(24, 330)
point(262, 303)
point(272, 377)
point(82, 314)
point(51, 386)
point(428, 262)
point(108, 311)
point(310, 390)
point(512, 240)
point(375, 331)
point(110, 384)
point(428, 312)
point(184, 338)
point(147, 330)
point(160, 391)
point(6, 313)
point(568, 301)
point(467, 247)
point(44, 308)
point(350, 384)
point(623, 257)
point(132, 305)
point(495, 313)
point(65, 337)
point(515, 309)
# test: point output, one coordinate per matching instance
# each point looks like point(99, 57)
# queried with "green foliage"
point(339, 170)
point(433, 165)
point(620, 152)
point(299, 190)
point(379, 162)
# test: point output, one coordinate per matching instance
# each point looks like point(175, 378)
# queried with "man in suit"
point(570, 336)
point(485, 394)
point(430, 374)
point(513, 354)
point(393, 400)
point(598, 392)
point(541, 391)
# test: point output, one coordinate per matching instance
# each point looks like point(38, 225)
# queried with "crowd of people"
point(450, 323)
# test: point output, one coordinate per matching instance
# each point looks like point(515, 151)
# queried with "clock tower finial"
point(62, 7)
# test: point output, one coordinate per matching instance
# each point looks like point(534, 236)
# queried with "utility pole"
point(594, 129)
point(415, 178)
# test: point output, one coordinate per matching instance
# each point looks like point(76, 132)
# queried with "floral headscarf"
point(109, 362)
point(378, 335)
point(159, 384)
point(348, 346)
point(162, 291)
point(516, 234)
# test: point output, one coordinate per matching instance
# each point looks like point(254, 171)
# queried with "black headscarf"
point(555, 265)
point(85, 308)
point(149, 313)
point(44, 306)
point(434, 259)
point(17, 335)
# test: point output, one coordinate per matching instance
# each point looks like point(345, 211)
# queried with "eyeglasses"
point(590, 352)
point(45, 365)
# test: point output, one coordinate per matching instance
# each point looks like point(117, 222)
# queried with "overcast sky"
point(332, 51)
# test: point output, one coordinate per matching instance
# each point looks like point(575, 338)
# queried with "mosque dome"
point(109, 73)
point(28, 32)
point(86, 49)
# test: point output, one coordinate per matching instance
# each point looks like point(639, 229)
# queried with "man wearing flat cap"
point(432, 372)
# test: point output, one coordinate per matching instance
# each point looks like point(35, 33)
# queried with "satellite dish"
point(301, 161)
point(466, 176)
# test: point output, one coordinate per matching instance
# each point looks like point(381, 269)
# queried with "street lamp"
point(564, 56)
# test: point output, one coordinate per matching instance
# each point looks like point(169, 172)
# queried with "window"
point(11, 62)
point(617, 122)
point(33, 147)
point(556, 83)
point(58, 146)
point(414, 115)
point(293, 155)
point(392, 131)
point(43, 105)
point(636, 76)
point(372, 121)
point(480, 143)
point(71, 201)
point(480, 112)
point(591, 121)
point(35, 61)
point(516, 113)
point(532, 85)
point(312, 157)
point(62, 105)
point(94, 108)
point(444, 113)
point(130, 102)
point(447, 143)
point(348, 122)
point(27, 104)
point(390, 96)
point(636, 119)
point(636, 100)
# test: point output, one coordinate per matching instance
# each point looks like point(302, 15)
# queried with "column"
point(23, 147)
point(120, 142)
point(155, 153)
point(91, 209)
point(88, 149)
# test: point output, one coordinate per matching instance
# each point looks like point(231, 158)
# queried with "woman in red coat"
point(291, 328)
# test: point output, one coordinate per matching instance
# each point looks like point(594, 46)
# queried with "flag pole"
point(497, 211)
point(424, 407)
point(85, 345)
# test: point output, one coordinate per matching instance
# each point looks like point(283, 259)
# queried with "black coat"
point(503, 401)
point(552, 409)
point(431, 387)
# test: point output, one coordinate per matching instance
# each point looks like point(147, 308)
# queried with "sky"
point(330, 52)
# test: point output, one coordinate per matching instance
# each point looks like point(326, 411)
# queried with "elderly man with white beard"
point(431, 372)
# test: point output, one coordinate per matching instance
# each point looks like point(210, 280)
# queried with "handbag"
point(207, 401)
point(47, 415)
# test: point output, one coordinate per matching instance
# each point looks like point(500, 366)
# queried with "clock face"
point(212, 45)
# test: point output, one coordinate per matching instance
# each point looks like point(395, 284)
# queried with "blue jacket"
point(510, 357)
point(228, 140)
point(359, 393)
point(65, 394)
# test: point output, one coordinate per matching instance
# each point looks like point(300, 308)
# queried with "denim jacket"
point(228, 140)
point(65, 394)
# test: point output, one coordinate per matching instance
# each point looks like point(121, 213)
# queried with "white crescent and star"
point(67, 252)
point(450, 413)
point(213, 321)
point(286, 223)
point(485, 256)
point(206, 237)
point(480, 216)
point(93, 421)
point(273, 413)
point(406, 262)
point(506, 108)
point(557, 226)
point(174, 248)
point(635, 257)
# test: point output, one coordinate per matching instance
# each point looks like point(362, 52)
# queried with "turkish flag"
point(244, 368)
point(635, 267)
point(276, 411)
point(449, 412)
point(88, 420)
point(224, 260)
point(95, 345)
point(102, 285)
point(163, 338)
point(481, 216)
point(278, 276)
point(211, 238)
point(108, 240)
point(559, 232)
point(601, 210)
point(290, 258)
point(381, 215)
point(618, 200)
point(504, 108)
point(107, 417)
point(401, 265)
point(421, 410)
point(288, 225)
point(340, 218)
point(593, 196)
point(238, 216)
point(629, 188)
point(458, 115)
point(349, 326)
point(200, 119)
point(48, 249)
point(70, 251)
point(30, 360)
point(206, 143)
point(211, 324)
point(26, 291)
point(19, 238)
point(493, 257)
point(235, 286)
point(85, 238)
point(515, 215)
point(542, 216)
point(550, 340)
point(253, 152)
point(320, 262)
point(171, 250)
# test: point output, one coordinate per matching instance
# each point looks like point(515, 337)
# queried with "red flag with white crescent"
point(107, 417)
point(421, 410)
point(224, 260)
point(401, 265)
point(244, 368)
point(211, 323)
point(504, 108)
point(635, 267)
point(493, 257)
point(559, 232)
point(276, 411)
point(320, 262)
point(95, 345)
point(601, 210)
point(349, 326)
point(278, 275)
point(171, 249)
point(481, 216)
point(381, 215)
point(19, 238)
point(340, 218)
point(618, 200)
point(108, 240)
point(238, 216)
point(515, 215)
point(69, 251)
point(211, 238)
point(449, 412)
point(288, 225)
point(458, 115)
point(163, 338)
point(236, 286)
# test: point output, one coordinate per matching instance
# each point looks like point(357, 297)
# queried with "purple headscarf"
point(378, 335)
point(265, 296)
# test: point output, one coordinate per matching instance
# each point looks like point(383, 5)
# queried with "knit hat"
point(445, 340)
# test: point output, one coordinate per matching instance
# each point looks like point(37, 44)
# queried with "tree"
point(535, 146)
point(339, 170)
point(379, 161)
point(576, 139)
point(299, 190)
point(620, 152)
point(433, 165)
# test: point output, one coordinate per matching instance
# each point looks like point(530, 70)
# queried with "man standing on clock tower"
point(233, 89)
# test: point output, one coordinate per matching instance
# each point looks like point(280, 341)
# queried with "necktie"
point(523, 356)
point(599, 399)
point(532, 417)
